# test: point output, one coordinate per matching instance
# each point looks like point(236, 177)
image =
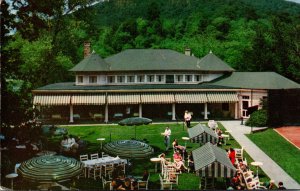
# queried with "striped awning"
point(192, 97)
point(212, 161)
point(157, 98)
point(51, 100)
point(222, 97)
point(88, 99)
point(114, 99)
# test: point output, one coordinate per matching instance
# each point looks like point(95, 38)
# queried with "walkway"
point(273, 170)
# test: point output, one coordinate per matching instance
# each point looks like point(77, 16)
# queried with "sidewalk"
point(273, 170)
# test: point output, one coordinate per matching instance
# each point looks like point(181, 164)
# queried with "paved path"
point(273, 170)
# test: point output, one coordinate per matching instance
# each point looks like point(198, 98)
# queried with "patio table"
point(103, 160)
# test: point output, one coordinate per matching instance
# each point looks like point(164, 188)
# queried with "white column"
point(106, 113)
point(71, 114)
point(173, 112)
point(205, 111)
point(140, 110)
point(236, 110)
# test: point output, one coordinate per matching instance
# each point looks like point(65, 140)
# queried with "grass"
point(281, 151)
point(148, 133)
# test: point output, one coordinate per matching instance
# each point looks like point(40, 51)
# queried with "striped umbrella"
point(135, 121)
point(129, 149)
point(50, 168)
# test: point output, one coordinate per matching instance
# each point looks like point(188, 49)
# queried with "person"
point(167, 135)
point(145, 175)
point(220, 137)
point(232, 155)
point(64, 144)
point(176, 146)
point(126, 185)
point(72, 143)
point(187, 118)
point(280, 186)
point(178, 161)
point(270, 185)
point(191, 161)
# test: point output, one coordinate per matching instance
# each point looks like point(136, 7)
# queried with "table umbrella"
point(135, 121)
point(50, 168)
point(128, 149)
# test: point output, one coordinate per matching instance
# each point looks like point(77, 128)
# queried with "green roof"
point(256, 80)
point(211, 62)
point(208, 154)
point(72, 87)
point(92, 63)
point(199, 129)
point(163, 59)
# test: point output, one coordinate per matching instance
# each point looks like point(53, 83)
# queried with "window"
point(111, 79)
point(121, 79)
point(245, 97)
point(92, 79)
point(140, 78)
point(150, 78)
point(159, 78)
point(80, 79)
point(198, 78)
point(188, 78)
point(130, 79)
point(179, 78)
point(170, 79)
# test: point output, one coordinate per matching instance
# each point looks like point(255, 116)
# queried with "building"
point(155, 83)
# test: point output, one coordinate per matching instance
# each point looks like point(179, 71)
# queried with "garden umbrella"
point(135, 121)
point(50, 168)
point(129, 149)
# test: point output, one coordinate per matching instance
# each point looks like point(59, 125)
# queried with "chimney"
point(86, 49)
point(187, 51)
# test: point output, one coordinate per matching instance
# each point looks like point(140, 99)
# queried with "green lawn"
point(281, 151)
point(148, 133)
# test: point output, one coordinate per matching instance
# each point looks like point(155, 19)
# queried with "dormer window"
point(92, 79)
point(130, 79)
point(150, 78)
point(140, 78)
point(79, 79)
point(120, 79)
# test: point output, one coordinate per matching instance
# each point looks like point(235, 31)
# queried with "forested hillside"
point(250, 35)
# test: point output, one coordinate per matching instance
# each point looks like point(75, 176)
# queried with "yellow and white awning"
point(222, 97)
point(51, 100)
point(192, 97)
point(157, 98)
point(88, 99)
point(114, 99)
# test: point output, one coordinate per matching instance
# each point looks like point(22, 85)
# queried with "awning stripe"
point(157, 98)
point(51, 100)
point(193, 97)
point(222, 97)
point(114, 99)
point(88, 99)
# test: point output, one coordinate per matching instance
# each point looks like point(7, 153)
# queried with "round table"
point(101, 140)
point(155, 160)
point(12, 176)
point(257, 164)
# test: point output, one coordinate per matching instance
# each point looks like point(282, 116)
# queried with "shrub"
point(258, 119)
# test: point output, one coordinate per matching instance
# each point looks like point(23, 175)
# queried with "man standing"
point(167, 135)
point(187, 118)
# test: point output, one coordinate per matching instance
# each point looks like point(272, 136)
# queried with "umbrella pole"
point(135, 132)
